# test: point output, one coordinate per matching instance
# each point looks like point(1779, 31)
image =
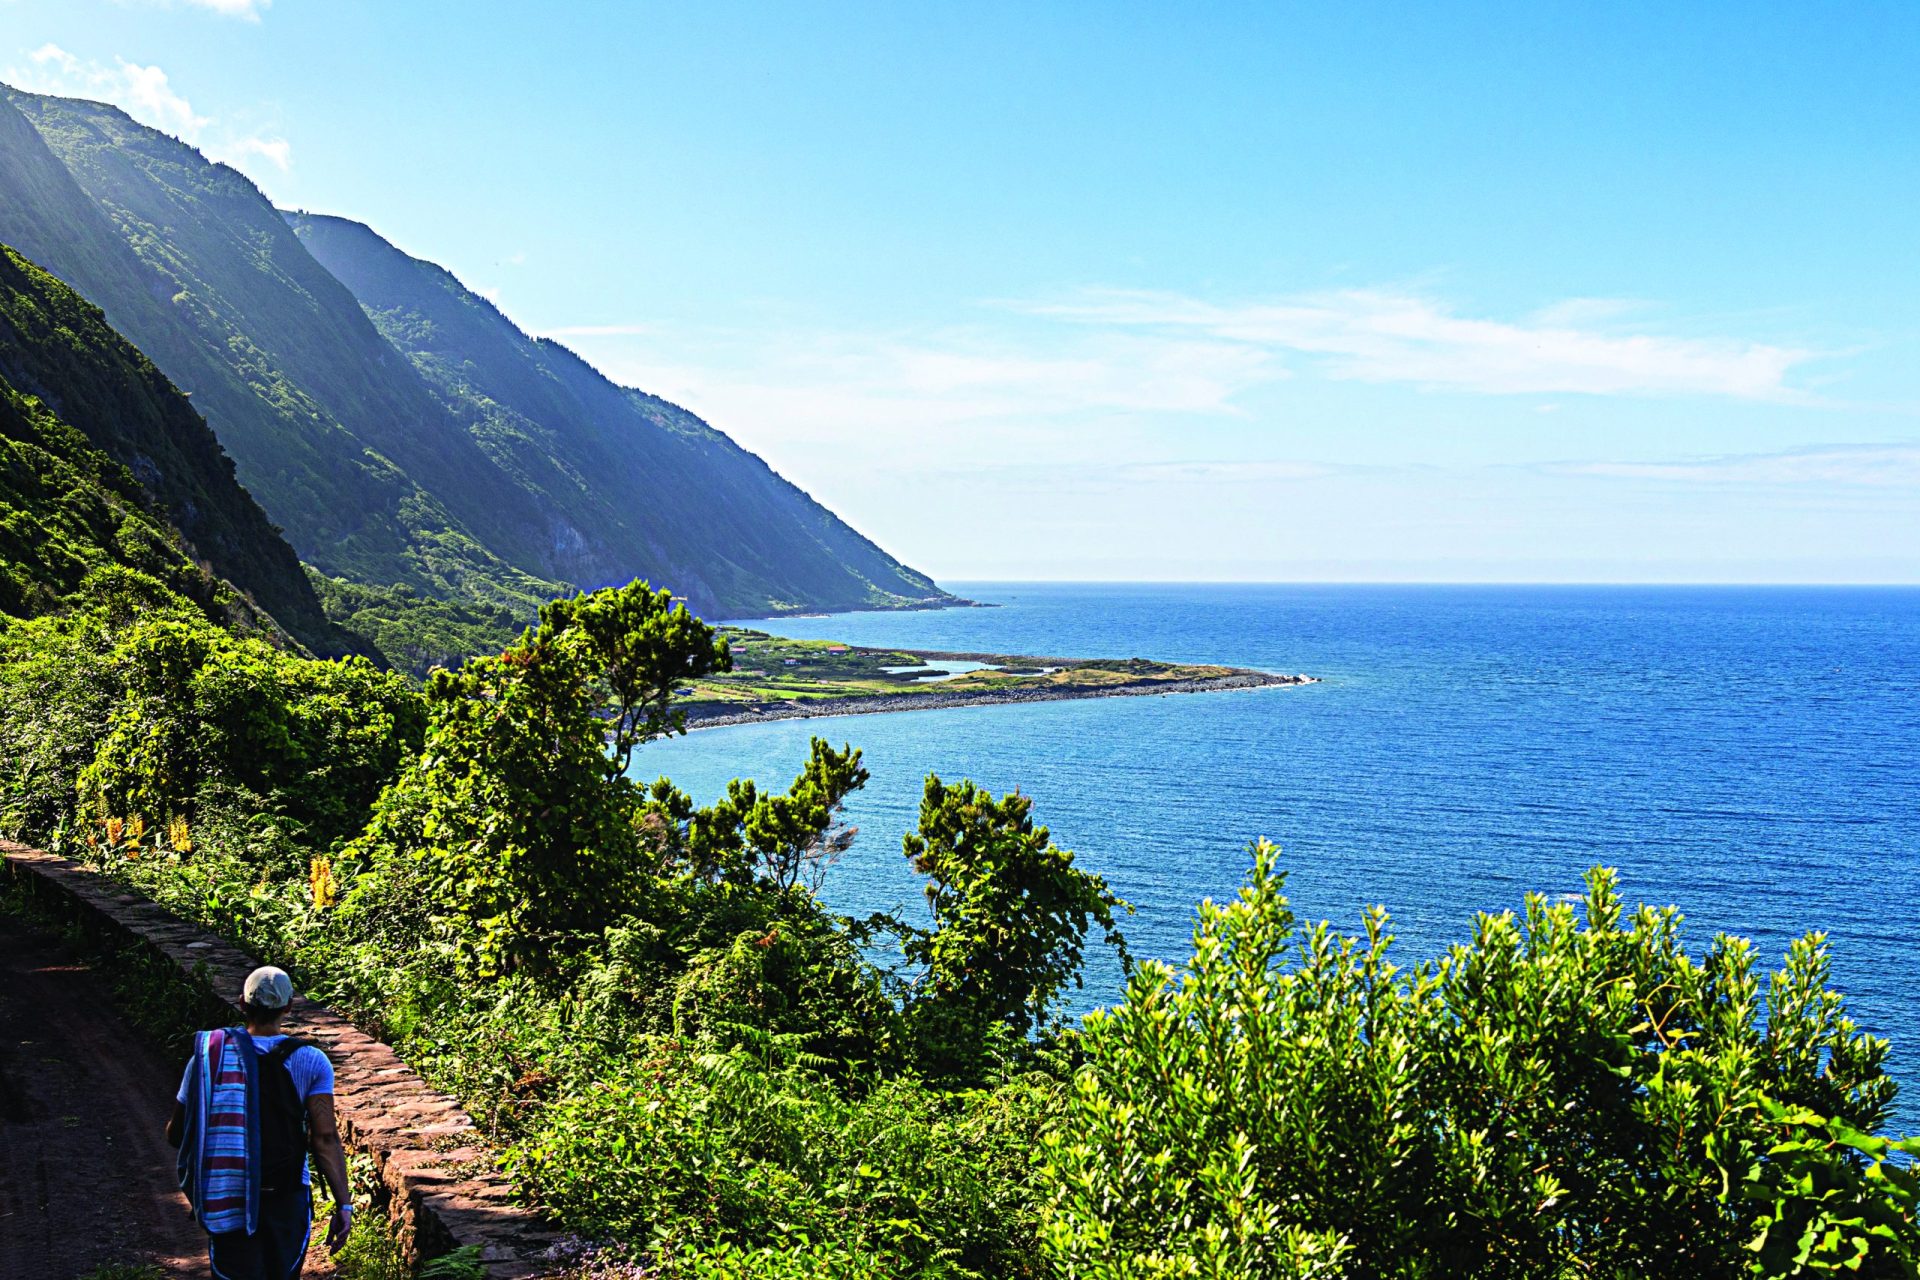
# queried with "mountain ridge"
point(402, 430)
point(325, 422)
point(541, 407)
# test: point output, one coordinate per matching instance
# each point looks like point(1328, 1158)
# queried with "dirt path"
point(86, 1176)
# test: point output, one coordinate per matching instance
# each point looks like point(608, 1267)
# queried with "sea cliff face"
point(628, 478)
point(398, 427)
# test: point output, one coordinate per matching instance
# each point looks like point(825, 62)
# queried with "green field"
point(773, 669)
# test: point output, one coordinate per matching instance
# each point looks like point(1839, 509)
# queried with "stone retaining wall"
point(440, 1177)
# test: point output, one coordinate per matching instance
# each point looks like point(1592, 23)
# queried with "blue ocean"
point(1751, 755)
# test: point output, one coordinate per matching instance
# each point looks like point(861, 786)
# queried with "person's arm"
point(177, 1125)
point(332, 1159)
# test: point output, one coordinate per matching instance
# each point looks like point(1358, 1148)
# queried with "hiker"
point(252, 1103)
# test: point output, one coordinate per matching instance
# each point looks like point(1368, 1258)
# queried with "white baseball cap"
point(268, 988)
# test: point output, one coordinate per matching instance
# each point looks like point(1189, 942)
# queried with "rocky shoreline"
point(719, 717)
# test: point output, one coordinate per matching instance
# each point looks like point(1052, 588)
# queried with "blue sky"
point(1474, 292)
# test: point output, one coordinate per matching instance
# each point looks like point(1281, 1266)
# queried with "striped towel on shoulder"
point(219, 1163)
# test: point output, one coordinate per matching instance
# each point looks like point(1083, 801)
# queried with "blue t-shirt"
point(311, 1071)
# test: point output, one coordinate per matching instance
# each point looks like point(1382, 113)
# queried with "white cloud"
point(1251, 472)
point(142, 92)
point(603, 331)
point(1382, 336)
point(935, 395)
point(146, 94)
point(276, 151)
point(1851, 465)
point(1575, 312)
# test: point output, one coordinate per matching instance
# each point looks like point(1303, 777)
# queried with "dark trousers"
point(274, 1252)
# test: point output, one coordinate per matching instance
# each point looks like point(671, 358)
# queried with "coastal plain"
point(778, 678)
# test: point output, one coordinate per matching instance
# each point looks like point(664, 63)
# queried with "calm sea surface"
point(1749, 754)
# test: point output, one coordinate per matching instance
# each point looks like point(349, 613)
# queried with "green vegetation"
point(681, 1052)
point(416, 632)
point(770, 669)
point(84, 414)
point(68, 511)
point(132, 723)
point(361, 467)
point(1556, 1098)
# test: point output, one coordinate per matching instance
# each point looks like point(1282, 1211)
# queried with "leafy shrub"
point(1011, 915)
point(524, 825)
point(682, 1051)
point(696, 1151)
point(138, 707)
point(1551, 1099)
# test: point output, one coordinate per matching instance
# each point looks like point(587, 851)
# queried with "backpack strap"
point(286, 1049)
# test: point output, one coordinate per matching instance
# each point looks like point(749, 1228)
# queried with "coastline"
point(722, 718)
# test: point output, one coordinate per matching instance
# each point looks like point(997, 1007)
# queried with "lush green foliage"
point(525, 827)
point(1011, 914)
point(414, 631)
point(1553, 1099)
point(67, 510)
point(57, 348)
point(131, 718)
point(329, 429)
point(74, 398)
point(680, 1050)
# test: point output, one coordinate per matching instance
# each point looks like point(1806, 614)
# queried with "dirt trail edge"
point(86, 1175)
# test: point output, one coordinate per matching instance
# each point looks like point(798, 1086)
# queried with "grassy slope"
point(644, 487)
point(417, 632)
point(66, 507)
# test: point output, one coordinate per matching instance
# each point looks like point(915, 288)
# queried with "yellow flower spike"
point(136, 827)
point(114, 827)
point(326, 890)
point(179, 836)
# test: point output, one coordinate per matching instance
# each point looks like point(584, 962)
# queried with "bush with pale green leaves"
point(1569, 1094)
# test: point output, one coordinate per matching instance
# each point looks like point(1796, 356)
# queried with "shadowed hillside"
point(75, 399)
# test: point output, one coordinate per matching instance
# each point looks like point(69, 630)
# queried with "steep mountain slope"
point(330, 428)
point(443, 452)
point(67, 508)
point(58, 349)
point(57, 346)
point(652, 489)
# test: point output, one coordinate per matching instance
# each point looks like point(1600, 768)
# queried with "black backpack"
point(283, 1119)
